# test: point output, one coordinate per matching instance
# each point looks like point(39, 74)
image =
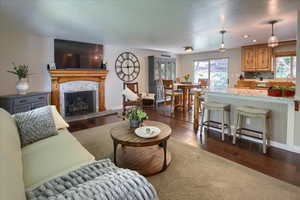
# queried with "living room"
point(206, 54)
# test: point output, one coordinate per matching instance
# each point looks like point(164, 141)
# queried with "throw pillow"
point(35, 125)
point(60, 123)
point(130, 95)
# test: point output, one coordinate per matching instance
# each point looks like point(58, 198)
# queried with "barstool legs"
point(202, 121)
point(222, 121)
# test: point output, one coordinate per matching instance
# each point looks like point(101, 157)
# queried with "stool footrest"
point(239, 131)
point(214, 124)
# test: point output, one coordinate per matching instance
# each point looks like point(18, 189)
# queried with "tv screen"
point(74, 55)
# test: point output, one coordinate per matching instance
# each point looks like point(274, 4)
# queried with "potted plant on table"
point(22, 71)
point(136, 117)
point(186, 77)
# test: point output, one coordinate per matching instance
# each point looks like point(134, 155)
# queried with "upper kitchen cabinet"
point(248, 59)
point(257, 58)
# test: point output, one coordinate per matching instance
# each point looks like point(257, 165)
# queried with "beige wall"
point(186, 62)
point(25, 48)
point(113, 84)
point(38, 51)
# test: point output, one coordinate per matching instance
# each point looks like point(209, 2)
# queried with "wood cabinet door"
point(263, 58)
point(248, 58)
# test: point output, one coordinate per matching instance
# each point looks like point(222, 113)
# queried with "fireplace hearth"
point(80, 103)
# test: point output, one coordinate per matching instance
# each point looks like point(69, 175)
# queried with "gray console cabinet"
point(22, 103)
point(160, 68)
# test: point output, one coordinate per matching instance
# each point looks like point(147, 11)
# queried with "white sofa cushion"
point(11, 169)
point(52, 157)
point(60, 123)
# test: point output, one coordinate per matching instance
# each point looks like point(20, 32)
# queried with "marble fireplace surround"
point(77, 80)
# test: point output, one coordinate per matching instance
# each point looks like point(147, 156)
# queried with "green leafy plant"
point(136, 114)
point(22, 71)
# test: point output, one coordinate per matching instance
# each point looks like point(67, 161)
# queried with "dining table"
point(186, 87)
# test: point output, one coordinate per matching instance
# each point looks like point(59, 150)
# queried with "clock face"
point(127, 66)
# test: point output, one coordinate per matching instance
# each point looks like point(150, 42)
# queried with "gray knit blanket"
point(100, 180)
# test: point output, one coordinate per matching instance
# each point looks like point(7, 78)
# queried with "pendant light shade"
point(273, 40)
point(222, 47)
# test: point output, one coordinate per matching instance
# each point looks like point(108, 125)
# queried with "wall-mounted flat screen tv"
point(77, 55)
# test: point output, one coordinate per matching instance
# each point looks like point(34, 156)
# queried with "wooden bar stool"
point(251, 112)
point(219, 107)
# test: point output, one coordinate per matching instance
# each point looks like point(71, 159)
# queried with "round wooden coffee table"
point(146, 156)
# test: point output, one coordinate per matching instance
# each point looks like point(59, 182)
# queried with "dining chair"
point(203, 83)
point(176, 96)
point(137, 102)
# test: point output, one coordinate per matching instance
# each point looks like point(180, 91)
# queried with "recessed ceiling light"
point(254, 41)
point(246, 36)
point(188, 49)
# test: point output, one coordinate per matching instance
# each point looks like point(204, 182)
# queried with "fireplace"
point(80, 103)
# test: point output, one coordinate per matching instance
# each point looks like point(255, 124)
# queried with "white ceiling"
point(166, 25)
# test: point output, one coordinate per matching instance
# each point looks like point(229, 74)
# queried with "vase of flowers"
point(136, 117)
point(186, 77)
point(22, 71)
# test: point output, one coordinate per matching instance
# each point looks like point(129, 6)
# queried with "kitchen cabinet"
point(248, 59)
point(257, 58)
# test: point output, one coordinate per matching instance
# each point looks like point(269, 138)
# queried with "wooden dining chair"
point(176, 96)
point(203, 83)
point(134, 87)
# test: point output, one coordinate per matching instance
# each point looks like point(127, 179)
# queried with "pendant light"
point(222, 47)
point(273, 40)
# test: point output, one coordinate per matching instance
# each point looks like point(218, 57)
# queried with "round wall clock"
point(127, 66)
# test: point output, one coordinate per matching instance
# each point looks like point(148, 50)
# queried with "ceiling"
point(166, 25)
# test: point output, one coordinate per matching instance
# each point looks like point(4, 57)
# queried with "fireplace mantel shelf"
point(59, 76)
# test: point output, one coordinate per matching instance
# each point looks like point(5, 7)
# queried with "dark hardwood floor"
point(278, 163)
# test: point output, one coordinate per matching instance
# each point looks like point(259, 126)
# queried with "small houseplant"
point(135, 117)
point(186, 77)
point(22, 71)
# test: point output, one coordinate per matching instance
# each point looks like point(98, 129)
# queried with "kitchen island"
point(281, 128)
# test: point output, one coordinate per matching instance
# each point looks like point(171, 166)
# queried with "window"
point(285, 67)
point(215, 70)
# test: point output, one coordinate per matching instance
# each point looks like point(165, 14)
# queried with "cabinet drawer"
point(21, 101)
point(22, 108)
point(38, 104)
point(38, 98)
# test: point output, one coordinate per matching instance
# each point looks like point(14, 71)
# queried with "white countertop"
point(249, 94)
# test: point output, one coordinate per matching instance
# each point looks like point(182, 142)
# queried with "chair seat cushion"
point(215, 105)
point(251, 111)
point(52, 157)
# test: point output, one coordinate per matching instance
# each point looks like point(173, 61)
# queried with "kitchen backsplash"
point(257, 75)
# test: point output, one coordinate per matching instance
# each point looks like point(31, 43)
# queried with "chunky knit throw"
point(95, 181)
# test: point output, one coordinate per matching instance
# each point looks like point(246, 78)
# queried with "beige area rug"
point(196, 174)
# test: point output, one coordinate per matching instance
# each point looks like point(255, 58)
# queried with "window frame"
point(209, 67)
point(290, 54)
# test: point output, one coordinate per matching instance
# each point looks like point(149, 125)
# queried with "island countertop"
point(249, 94)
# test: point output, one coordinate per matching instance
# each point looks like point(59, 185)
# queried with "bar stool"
point(251, 112)
point(219, 107)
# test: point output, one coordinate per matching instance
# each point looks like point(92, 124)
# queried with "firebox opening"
point(80, 103)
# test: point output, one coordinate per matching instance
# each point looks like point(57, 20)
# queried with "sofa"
point(23, 169)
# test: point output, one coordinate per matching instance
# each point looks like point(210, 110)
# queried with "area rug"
point(195, 174)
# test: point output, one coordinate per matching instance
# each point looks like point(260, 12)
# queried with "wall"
point(186, 62)
point(114, 85)
point(37, 51)
point(25, 48)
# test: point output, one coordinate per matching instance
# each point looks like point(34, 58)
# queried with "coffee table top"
point(126, 136)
